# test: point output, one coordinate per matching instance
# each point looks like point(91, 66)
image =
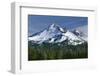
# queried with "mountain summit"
point(55, 27)
point(56, 34)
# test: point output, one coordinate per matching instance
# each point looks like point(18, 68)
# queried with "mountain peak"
point(80, 34)
point(53, 26)
point(76, 32)
point(56, 27)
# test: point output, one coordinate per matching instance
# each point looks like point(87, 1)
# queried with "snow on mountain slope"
point(81, 32)
point(48, 33)
point(72, 38)
point(63, 38)
point(55, 34)
point(70, 35)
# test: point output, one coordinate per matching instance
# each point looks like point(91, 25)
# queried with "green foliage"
point(47, 51)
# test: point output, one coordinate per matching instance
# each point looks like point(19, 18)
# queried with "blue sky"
point(37, 23)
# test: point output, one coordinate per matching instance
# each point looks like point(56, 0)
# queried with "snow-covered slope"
point(56, 34)
point(81, 32)
point(46, 34)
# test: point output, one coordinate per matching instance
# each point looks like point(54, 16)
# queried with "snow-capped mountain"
point(81, 32)
point(55, 34)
